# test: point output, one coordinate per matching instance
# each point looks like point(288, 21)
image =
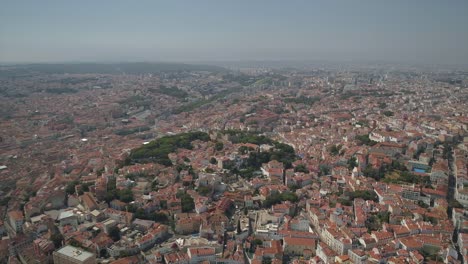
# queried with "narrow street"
point(451, 197)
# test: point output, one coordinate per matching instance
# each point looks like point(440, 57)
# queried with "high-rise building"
point(16, 220)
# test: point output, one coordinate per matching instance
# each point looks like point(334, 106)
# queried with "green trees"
point(375, 221)
point(62, 90)
point(352, 162)
point(110, 195)
point(366, 195)
point(70, 189)
point(276, 198)
point(256, 159)
point(324, 169)
point(173, 91)
point(388, 113)
point(246, 173)
point(447, 152)
point(431, 253)
point(219, 146)
point(140, 214)
point(204, 190)
point(125, 195)
point(282, 153)
point(4, 201)
point(418, 152)
point(384, 217)
point(134, 176)
point(406, 176)
point(301, 168)
point(257, 242)
point(266, 260)
point(244, 150)
point(158, 150)
point(114, 233)
point(187, 203)
point(73, 242)
point(57, 239)
point(431, 219)
point(365, 140)
point(85, 187)
point(397, 168)
point(345, 202)
point(377, 174)
point(335, 150)
point(155, 216)
point(372, 223)
point(159, 217)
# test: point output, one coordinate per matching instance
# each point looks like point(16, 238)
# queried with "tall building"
point(73, 255)
point(16, 220)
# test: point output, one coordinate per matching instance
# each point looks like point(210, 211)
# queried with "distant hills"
point(103, 68)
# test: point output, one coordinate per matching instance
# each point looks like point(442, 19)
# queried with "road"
point(451, 197)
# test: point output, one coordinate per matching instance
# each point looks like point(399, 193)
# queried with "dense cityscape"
point(183, 163)
point(234, 132)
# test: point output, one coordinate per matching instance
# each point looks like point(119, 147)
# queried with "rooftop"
point(75, 253)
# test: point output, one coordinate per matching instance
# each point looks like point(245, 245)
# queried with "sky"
point(415, 31)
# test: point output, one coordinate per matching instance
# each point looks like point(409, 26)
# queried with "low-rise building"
point(358, 256)
point(299, 246)
point(73, 255)
point(197, 255)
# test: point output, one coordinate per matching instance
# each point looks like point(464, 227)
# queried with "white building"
point(73, 255)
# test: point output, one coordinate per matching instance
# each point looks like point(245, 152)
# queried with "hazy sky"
point(198, 30)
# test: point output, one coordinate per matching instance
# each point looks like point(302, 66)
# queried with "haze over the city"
point(432, 32)
point(233, 132)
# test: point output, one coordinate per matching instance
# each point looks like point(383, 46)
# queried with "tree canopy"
point(276, 198)
point(187, 202)
point(158, 150)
